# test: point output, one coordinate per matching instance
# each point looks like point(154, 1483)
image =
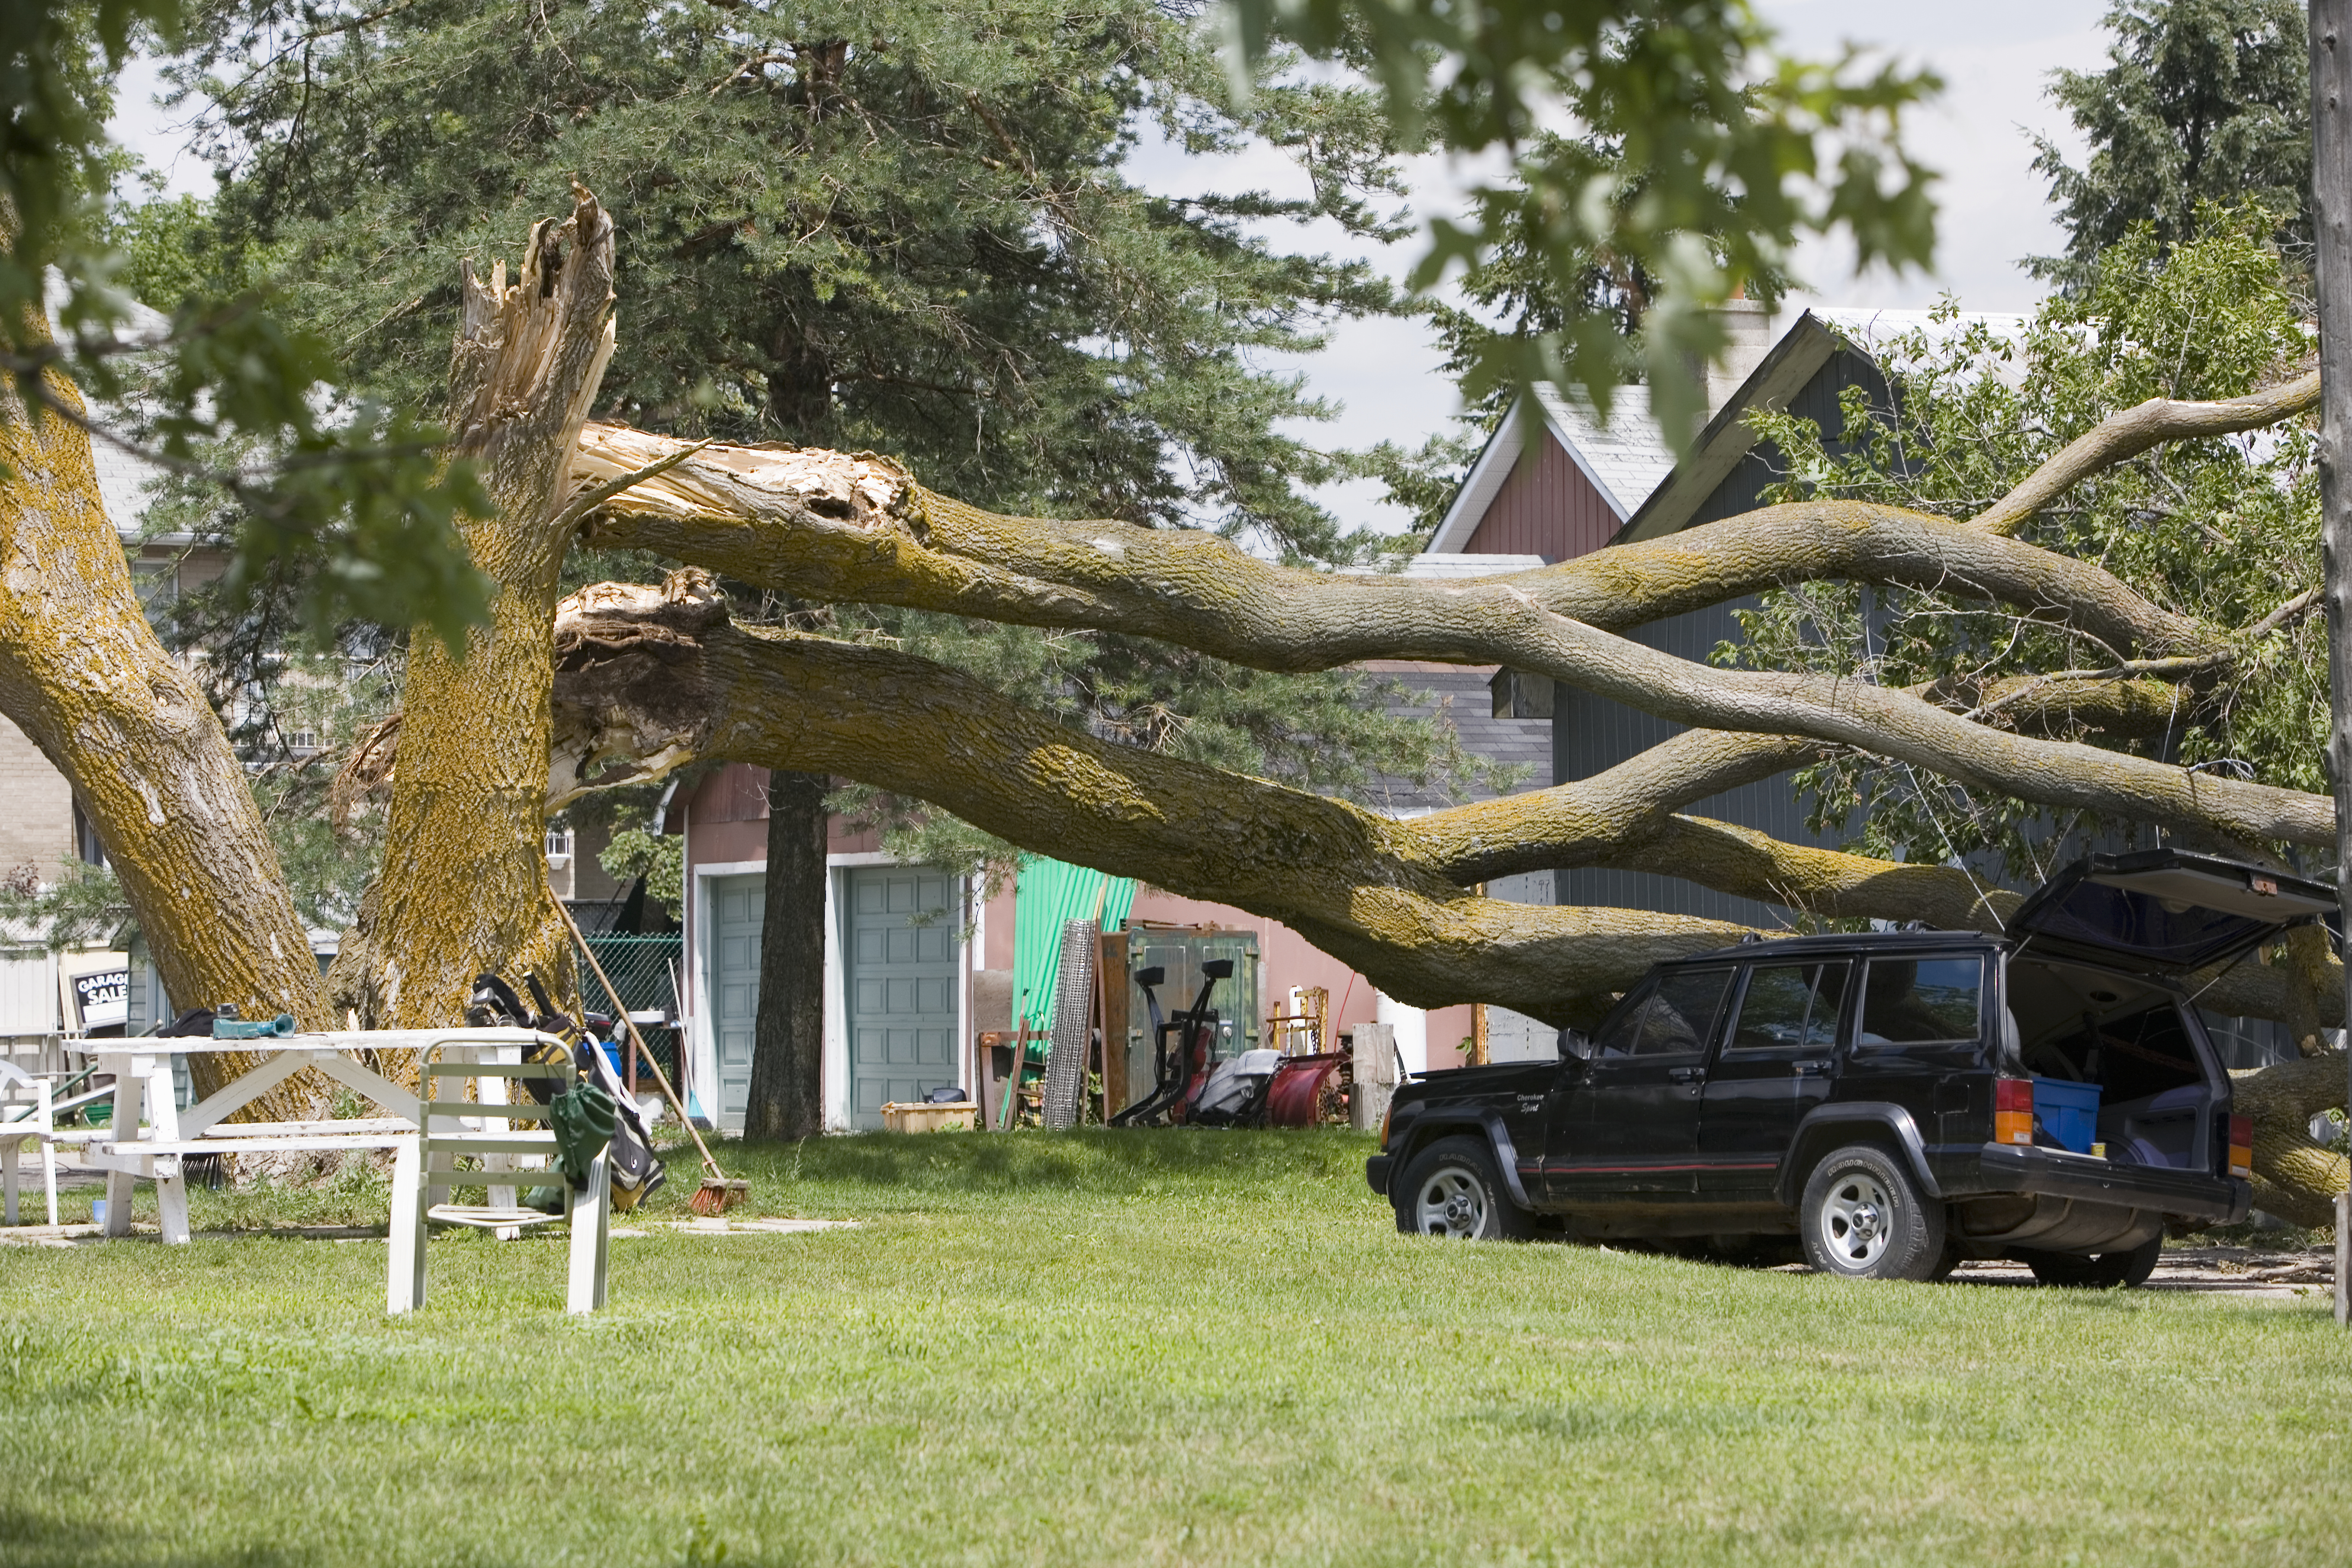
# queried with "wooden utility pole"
point(2331, 194)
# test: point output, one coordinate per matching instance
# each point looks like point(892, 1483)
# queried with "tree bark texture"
point(464, 884)
point(646, 672)
point(82, 674)
point(2295, 1178)
point(836, 527)
point(662, 674)
point(2331, 187)
point(787, 1090)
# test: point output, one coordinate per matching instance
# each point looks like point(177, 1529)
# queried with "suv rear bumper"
point(1376, 1172)
point(2058, 1173)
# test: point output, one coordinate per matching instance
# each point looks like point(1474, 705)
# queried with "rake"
point(719, 1190)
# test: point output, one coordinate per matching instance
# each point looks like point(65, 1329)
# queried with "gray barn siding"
point(1591, 734)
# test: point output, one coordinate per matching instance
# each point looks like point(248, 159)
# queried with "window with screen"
point(1922, 1002)
point(1791, 1007)
point(1681, 1017)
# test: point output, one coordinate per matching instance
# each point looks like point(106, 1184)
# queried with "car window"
point(1924, 1000)
point(1791, 1007)
point(1616, 1036)
point(1681, 1017)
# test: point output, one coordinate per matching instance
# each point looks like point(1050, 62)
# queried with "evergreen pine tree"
point(2202, 102)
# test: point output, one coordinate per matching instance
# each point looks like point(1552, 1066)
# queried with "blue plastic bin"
point(2068, 1113)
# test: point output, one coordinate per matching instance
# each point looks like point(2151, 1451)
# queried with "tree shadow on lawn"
point(1110, 1161)
point(43, 1541)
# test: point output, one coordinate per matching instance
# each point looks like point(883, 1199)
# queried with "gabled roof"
point(1792, 361)
point(1623, 459)
point(1629, 462)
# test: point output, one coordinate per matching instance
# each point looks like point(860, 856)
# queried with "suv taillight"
point(2012, 1110)
point(2242, 1145)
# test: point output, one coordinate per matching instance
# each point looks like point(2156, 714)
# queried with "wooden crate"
point(919, 1117)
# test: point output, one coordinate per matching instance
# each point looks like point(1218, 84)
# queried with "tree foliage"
point(229, 396)
point(908, 227)
point(2224, 530)
point(1702, 155)
point(2202, 102)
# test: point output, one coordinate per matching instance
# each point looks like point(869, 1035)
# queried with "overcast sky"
point(1995, 57)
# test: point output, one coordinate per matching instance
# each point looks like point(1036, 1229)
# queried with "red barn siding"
point(1545, 508)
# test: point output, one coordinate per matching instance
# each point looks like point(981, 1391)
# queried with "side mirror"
point(1218, 968)
point(1574, 1046)
point(1154, 976)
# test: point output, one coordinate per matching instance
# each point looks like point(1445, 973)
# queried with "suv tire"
point(1451, 1189)
point(2108, 1271)
point(1862, 1217)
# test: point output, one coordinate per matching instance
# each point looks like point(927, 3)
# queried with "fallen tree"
point(625, 683)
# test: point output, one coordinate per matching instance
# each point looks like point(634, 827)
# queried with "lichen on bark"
point(463, 887)
point(83, 676)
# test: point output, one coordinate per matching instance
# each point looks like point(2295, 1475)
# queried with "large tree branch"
point(650, 679)
point(838, 527)
point(1583, 822)
point(2122, 437)
point(1824, 882)
point(843, 527)
point(2294, 1177)
point(1885, 722)
point(641, 674)
point(2128, 706)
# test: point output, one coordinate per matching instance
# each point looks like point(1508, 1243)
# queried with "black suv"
point(1899, 1100)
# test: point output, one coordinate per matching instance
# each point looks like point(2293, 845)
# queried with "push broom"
point(719, 1191)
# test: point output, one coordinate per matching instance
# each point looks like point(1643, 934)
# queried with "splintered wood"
point(842, 486)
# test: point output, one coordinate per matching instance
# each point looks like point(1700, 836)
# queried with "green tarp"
point(1046, 893)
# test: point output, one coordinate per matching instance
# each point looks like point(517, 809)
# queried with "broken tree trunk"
point(82, 674)
point(463, 883)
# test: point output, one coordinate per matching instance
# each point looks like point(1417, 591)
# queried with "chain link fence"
point(646, 971)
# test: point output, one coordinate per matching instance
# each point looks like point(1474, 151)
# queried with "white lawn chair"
point(26, 1117)
point(453, 1127)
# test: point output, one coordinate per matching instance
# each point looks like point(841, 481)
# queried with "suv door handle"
point(1813, 1065)
point(1686, 1074)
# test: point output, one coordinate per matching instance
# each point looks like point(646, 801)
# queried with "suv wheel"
point(2108, 1271)
point(1451, 1189)
point(1863, 1216)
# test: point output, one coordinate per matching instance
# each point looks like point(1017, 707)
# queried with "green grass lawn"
point(1129, 1348)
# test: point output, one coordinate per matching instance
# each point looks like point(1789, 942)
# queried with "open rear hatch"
point(2161, 911)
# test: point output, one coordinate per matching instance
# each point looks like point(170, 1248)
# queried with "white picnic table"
point(150, 1137)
